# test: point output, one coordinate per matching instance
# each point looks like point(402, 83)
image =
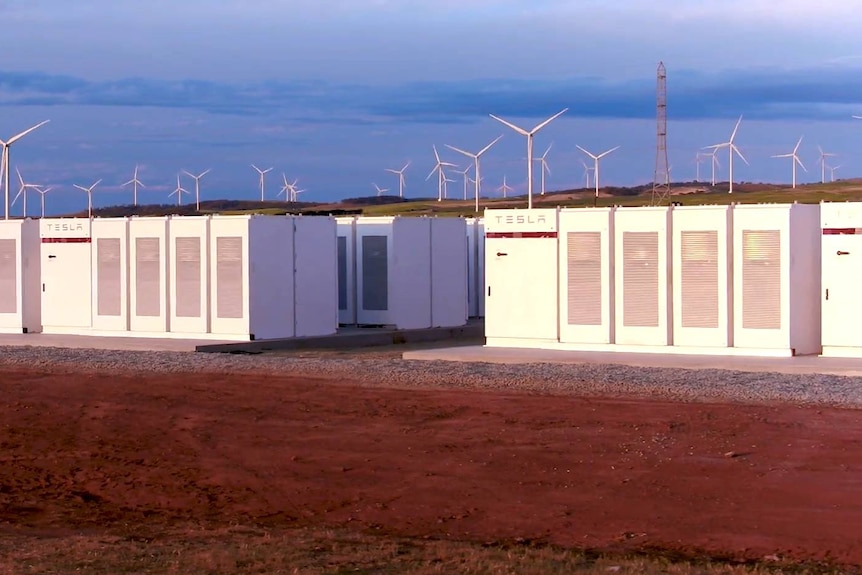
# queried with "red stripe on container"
point(66, 240)
point(521, 235)
point(841, 231)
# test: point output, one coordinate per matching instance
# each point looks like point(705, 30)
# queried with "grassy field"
point(241, 550)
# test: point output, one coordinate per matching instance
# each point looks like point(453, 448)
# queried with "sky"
point(333, 92)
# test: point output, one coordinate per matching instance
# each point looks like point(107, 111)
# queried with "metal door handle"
point(501, 254)
point(840, 253)
point(51, 257)
point(827, 293)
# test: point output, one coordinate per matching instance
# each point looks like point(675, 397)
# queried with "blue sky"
point(332, 92)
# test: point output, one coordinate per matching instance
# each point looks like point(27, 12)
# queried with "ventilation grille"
point(699, 279)
point(229, 289)
point(761, 279)
point(640, 279)
point(584, 257)
point(342, 273)
point(148, 276)
point(109, 277)
point(375, 273)
point(188, 277)
point(8, 276)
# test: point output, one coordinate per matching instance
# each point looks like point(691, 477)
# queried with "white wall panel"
point(316, 281)
point(148, 281)
point(110, 256)
point(346, 269)
point(410, 273)
point(20, 285)
point(448, 272)
point(189, 292)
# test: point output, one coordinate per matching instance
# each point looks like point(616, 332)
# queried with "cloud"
point(826, 92)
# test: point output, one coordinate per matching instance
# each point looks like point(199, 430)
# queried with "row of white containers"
point(741, 279)
point(237, 277)
point(219, 277)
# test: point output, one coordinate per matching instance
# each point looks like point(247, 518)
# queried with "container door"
point(9, 276)
point(584, 287)
point(67, 284)
point(842, 276)
point(372, 278)
point(521, 288)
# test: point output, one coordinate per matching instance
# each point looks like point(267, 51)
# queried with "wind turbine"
point(380, 191)
point(544, 167)
point(286, 189)
point(261, 172)
point(464, 173)
point(22, 191)
point(596, 166)
point(197, 180)
point(89, 196)
point(698, 158)
point(832, 171)
point(823, 156)
point(446, 182)
point(179, 192)
point(587, 171)
point(794, 161)
point(400, 178)
point(5, 145)
point(476, 157)
point(505, 188)
point(731, 148)
point(529, 134)
point(42, 192)
point(714, 163)
point(441, 177)
point(135, 183)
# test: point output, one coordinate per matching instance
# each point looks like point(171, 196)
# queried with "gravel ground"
point(381, 369)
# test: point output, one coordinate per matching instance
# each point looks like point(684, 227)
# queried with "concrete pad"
point(850, 367)
point(121, 343)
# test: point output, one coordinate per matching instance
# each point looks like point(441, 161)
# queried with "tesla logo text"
point(65, 227)
point(521, 219)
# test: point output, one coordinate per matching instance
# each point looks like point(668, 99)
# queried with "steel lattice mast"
point(661, 176)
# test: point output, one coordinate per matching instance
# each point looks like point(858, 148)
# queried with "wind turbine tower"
point(441, 176)
point(261, 172)
point(795, 160)
point(179, 192)
point(529, 134)
point(400, 178)
point(135, 182)
point(464, 173)
point(505, 188)
point(4, 161)
point(197, 180)
point(661, 175)
point(42, 192)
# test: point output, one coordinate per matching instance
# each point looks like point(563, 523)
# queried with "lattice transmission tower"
point(661, 176)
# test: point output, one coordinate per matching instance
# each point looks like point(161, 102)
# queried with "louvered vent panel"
point(188, 276)
point(375, 273)
point(584, 257)
point(229, 280)
point(8, 276)
point(640, 279)
point(699, 278)
point(761, 279)
point(342, 273)
point(109, 274)
point(148, 276)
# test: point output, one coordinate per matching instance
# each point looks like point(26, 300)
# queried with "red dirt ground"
point(144, 453)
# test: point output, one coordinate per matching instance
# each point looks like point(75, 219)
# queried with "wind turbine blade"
point(82, 188)
point(488, 147)
point(546, 151)
point(460, 151)
point(782, 156)
point(735, 128)
point(797, 145)
point(391, 170)
point(521, 131)
point(738, 153)
point(714, 146)
point(20, 179)
point(208, 170)
point(188, 174)
point(25, 132)
point(436, 155)
point(586, 152)
point(432, 173)
point(549, 120)
point(605, 153)
point(857, 117)
point(798, 161)
point(405, 166)
point(129, 182)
